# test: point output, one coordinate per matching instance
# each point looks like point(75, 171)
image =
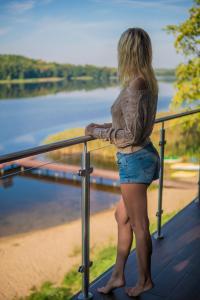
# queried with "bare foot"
point(113, 282)
point(138, 288)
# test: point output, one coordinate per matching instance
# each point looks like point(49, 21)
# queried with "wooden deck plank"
point(175, 262)
point(187, 289)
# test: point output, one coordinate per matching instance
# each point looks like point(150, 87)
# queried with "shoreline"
point(38, 230)
point(31, 80)
point(163, 78)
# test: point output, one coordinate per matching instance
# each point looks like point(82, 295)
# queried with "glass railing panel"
point(40, 212)
point(104, 196)
point(103, 240)
point(40, 225)
point(181, 165)
point(152, 191)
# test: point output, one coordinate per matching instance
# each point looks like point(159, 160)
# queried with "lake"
point(29, 203)
point(26, 121)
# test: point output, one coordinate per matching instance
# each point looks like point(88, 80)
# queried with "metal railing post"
point(85, 217)
point(199, 185)
point(158, 234)
point(198, 193)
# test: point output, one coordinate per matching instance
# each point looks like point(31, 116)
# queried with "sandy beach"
point(29, 259)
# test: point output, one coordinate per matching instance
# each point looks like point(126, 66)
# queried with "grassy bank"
point(103, 258)
point(176, 144)
point(39, 80)
point(82, 78)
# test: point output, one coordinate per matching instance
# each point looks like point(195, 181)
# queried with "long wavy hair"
point(135, 58)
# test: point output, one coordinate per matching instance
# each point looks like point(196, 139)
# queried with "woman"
point(133, 116)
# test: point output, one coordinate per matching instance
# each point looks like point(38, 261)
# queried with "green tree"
point(187, 42)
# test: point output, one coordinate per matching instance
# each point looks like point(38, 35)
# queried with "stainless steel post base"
point(81, 296)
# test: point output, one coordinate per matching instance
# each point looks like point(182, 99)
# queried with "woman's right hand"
point(89, 128)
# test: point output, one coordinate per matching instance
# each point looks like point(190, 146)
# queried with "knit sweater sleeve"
point(134, 111)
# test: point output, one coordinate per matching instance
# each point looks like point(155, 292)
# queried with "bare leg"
point(125, 238)
point(135, 198)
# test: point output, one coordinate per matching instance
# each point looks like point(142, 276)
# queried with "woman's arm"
point(107, 125)
point(90, 127)
point(134, 110)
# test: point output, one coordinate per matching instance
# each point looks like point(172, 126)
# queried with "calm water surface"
point(28, 203)
point(27, 121)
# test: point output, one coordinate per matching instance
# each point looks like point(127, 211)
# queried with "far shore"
point(32, 80)
point(164, 78)
point(44, 79)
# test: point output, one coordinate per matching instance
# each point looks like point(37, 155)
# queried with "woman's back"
point(134, 110)
point(133, 115)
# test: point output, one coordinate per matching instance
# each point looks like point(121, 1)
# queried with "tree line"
point(21, 67)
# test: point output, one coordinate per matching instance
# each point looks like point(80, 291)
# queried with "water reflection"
point(10, 91)
point(34, 203)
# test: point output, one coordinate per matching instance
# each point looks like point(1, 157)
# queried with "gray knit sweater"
point(133, 115)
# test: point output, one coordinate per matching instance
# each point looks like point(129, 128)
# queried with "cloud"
point(76, 30)
point(93, 42)
point(25, 5)
point(20, 6)
point(74, 39)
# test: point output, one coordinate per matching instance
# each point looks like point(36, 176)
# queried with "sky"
point(87, 31)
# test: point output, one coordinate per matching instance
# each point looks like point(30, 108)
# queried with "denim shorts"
point(141, 166)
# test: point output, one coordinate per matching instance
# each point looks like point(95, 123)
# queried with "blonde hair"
point(135, 58)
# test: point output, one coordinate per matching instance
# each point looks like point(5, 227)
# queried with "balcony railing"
point(84, 173)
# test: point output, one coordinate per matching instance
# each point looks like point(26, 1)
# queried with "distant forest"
point(20, 67)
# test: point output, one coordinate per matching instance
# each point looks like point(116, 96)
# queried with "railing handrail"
point(74, 141)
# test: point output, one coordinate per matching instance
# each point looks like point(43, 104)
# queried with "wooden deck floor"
point(175, 262)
